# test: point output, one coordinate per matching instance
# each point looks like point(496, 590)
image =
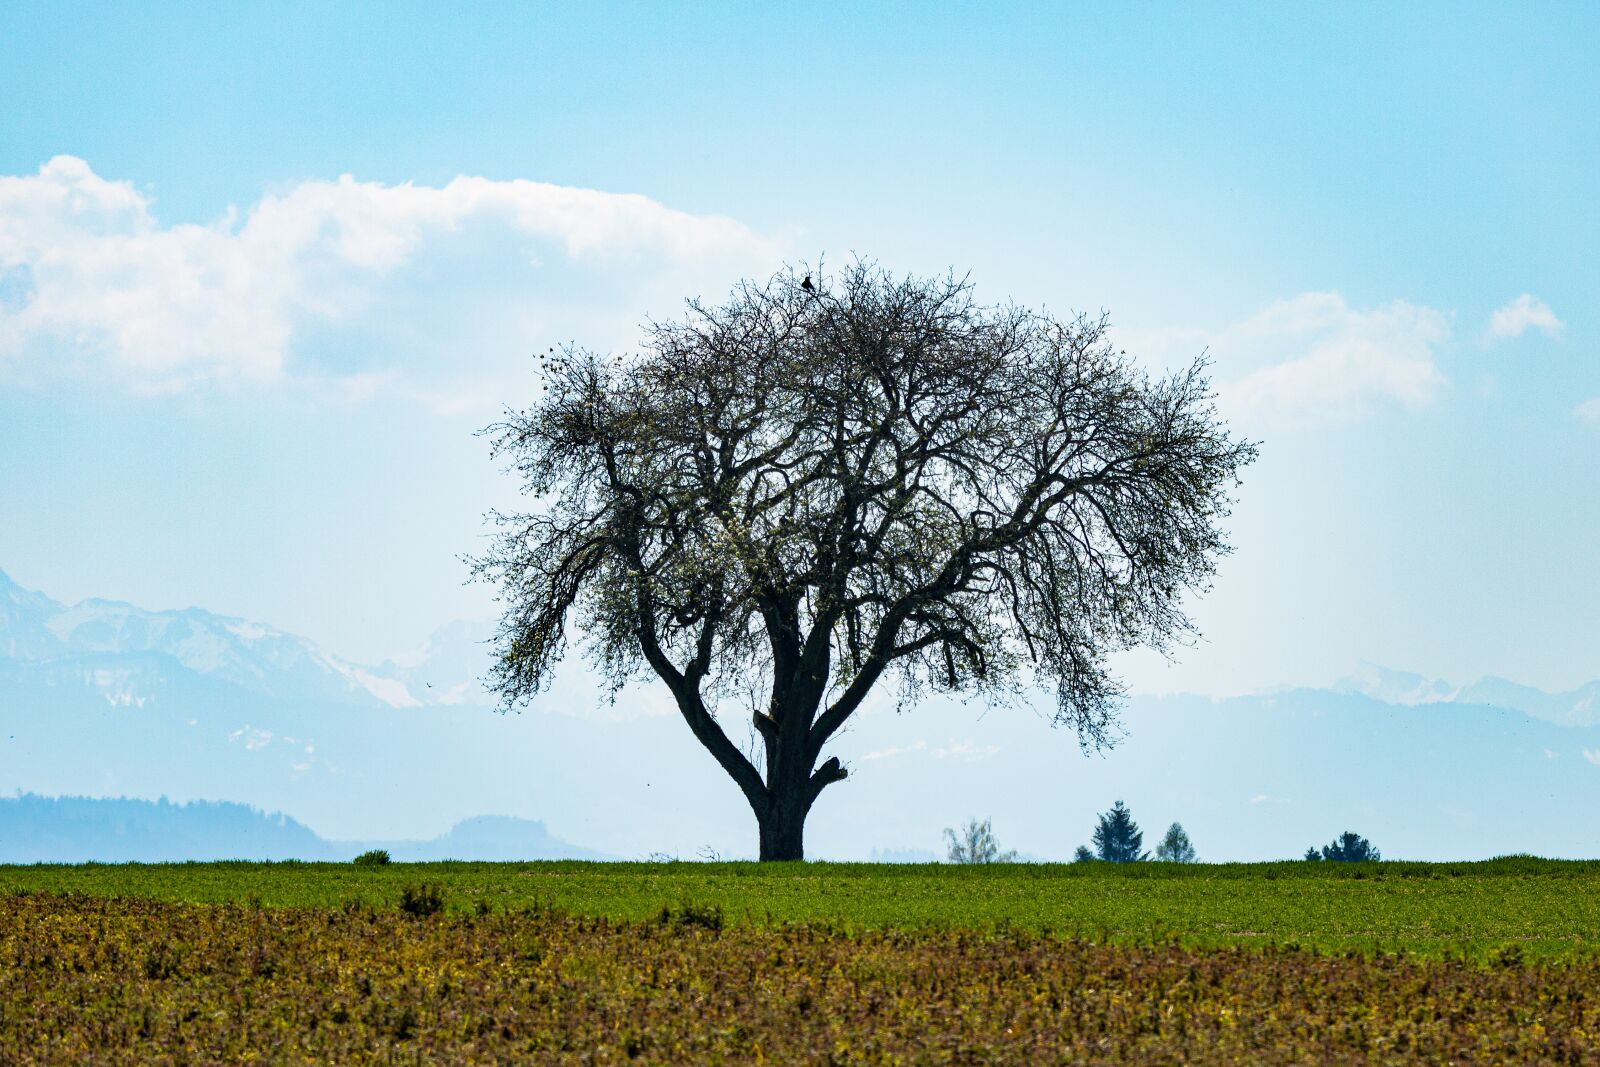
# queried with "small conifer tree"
point(1118, 838)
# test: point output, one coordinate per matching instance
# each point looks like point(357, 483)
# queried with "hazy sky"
point(264, 270)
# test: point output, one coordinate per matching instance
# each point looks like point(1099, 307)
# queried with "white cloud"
point(965, 751)
point(1311, 359)
point(962, 751)
point(1589, 410)
point(1329, 362)
point(254, 737)
point(893, 750)
point(1592, 755)
point(1525, 312)
point(376, 288)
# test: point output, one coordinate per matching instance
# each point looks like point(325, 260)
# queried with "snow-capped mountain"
point(23, 634)
point(449, 667)
point(1578, 707)
point(131, 655)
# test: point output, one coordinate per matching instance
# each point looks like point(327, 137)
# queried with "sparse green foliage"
point(1082, 854)
point(1348, 847)
point(377, 857)
point(1176, 847)
point(811, 490)
point(1117, 838)
point(975, 844)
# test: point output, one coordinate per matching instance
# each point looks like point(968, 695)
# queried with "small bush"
point(421, 900)
point(378, 857)
point(705, 916)
point(1348, 847)
point(1507, 956)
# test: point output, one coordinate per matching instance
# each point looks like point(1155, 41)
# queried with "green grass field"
point(1543, 909)
point(818, 963)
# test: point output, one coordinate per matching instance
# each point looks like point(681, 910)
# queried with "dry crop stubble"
point(133, 981)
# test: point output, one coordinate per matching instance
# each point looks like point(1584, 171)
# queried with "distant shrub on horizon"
point(1348, 847)
point(1176, 847)
point(377, 857)
point(976, 844)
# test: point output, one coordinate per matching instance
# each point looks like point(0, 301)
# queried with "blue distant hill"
point(35, 829)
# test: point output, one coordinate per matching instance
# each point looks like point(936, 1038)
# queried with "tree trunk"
point(793, 781)
point(783, 828)
point(788, 797)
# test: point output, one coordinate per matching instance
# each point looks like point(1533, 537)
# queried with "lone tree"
point(788, 499)
point(1117, 838)
point(1176, 847)
point(975, 844)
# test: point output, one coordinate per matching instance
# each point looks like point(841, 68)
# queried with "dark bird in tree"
point(805, 284)
point(803, 493)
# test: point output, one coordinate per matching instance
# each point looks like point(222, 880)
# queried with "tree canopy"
point(791, 498)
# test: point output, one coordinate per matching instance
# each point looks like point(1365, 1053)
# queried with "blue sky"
point(232, 377)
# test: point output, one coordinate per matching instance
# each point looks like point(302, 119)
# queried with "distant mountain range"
point(132, 657)
point(102, 699)
point(36, 829)
point(1579, 707)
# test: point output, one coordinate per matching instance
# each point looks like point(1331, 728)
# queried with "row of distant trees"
point(1118, 839)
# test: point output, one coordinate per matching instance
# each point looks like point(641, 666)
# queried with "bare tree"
point(975, 844)
point(1176, 847)
point(793, 497)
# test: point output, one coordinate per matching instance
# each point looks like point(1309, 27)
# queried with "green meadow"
point(1540, 909)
